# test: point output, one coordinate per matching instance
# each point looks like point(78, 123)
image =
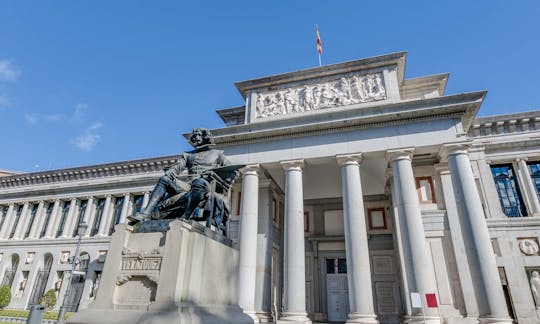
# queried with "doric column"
point(104, 225)
point(420, 273)
point(4, 231)
point(21, 225)
point(38, 221)
point(248, 239)
point(71, 221)
point(356, 243)
point(294, 250)
point(529, 189)
point(484, 272)
point(50, 232)
point(125, 208)
point(458, 242)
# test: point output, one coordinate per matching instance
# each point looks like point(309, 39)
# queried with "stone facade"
point(361, 187)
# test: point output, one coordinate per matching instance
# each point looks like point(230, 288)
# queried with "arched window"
point(41, 280)
point(11, 270)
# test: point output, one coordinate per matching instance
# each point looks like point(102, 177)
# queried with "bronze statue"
point(201, 194)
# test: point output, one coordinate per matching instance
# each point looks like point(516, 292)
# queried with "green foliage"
point(25, 313)
point(48, 300)
point(5, 296)
point(14, 313)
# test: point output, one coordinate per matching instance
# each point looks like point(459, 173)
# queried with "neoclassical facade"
point(362, 191)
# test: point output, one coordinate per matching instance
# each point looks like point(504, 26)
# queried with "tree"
point(49, 299)
point(5, 296)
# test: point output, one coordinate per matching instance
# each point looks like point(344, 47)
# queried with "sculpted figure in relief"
point(345, 91)
point(535, 288)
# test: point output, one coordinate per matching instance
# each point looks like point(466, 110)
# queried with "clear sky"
point(88, 82)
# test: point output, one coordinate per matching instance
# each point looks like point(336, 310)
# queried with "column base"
point(291, 317)
point(486, 320)
point(361, 318)
point(260, 317)
point(422, 319)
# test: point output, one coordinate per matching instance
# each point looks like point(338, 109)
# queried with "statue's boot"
point(157, 195)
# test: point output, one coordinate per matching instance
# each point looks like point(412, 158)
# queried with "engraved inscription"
point(344, 91)
point(141, 263)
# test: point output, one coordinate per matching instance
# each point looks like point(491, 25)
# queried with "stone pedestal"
point(167, 272)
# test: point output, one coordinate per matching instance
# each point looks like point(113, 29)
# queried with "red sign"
point(431, 300)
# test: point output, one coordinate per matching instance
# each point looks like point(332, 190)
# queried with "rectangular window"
point(508, 190)
point(137, 203)
point(100, 206)
point(31, 221)
point(424, 188)
point(3, 215)
point(48, 213)
point(534, 168)
point(63, 218)
point(16, 221)
point(117, 213)
point(80, 216)
point(376, 219)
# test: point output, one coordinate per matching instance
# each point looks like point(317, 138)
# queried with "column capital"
point(252, 169)
point(293, 164)
point(344, 159)
point(521, 158)
point(442, 168)
point(400, 154)
point(453, 149)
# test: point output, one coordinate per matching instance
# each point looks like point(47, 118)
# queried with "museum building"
point(362, 190)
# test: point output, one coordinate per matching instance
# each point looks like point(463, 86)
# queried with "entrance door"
point(337, 293)
point(385, 287)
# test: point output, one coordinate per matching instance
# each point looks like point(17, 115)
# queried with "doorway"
point(337, 292)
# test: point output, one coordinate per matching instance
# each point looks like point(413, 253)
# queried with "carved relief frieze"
point(346, 90)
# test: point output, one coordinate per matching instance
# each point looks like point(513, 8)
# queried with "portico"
point(363, 222)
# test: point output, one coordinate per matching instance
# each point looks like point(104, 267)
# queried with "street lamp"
point(74, 261)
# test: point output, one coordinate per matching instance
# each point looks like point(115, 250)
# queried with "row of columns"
point(55, 218)
point(417, 268)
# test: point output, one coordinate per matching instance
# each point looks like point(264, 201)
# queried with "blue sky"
point(88, 82)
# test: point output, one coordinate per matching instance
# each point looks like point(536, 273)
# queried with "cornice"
point(89, 172)
point(463, 106)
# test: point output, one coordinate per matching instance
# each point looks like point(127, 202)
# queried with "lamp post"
point(74, 261)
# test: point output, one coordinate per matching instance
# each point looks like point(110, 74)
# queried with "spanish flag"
point(319, 43)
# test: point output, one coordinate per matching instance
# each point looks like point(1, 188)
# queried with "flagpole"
point(320, 64)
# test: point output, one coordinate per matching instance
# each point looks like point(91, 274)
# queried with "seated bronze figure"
point(201, 194)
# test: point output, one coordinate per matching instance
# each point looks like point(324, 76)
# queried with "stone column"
point(458, 242)
point(103, 226)
point(38, 221)
point(529, 189)
point(4, 231)
point(50, 232)
point(125, 208)
point(420, 273)
point(356, 243)
point(21, 225)
point(294, 250)
point(248, 239)
point(484, 272)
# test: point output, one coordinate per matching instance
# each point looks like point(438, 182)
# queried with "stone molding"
point(90, 172)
